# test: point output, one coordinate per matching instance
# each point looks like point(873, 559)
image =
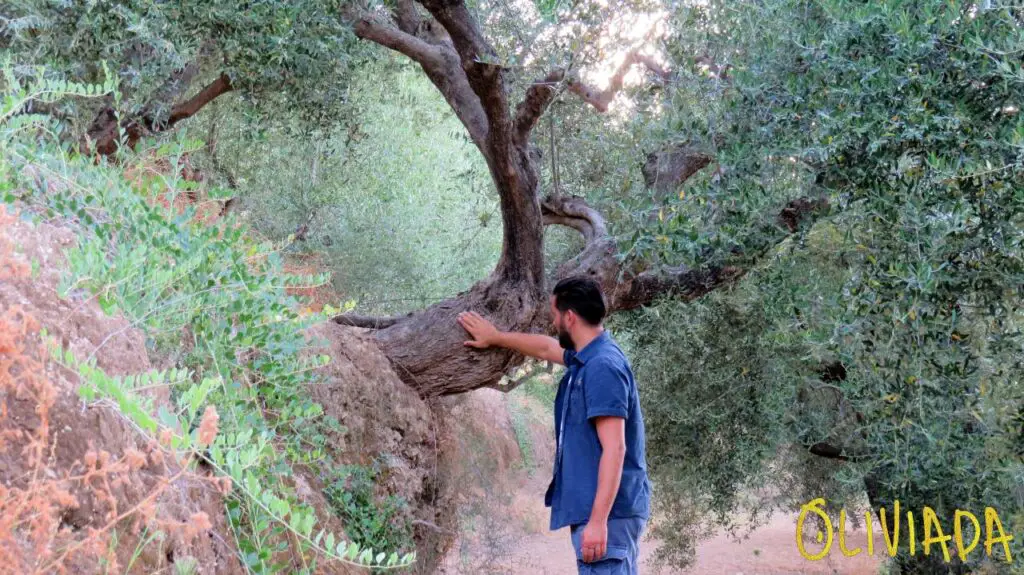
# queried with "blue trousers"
point(623, 555)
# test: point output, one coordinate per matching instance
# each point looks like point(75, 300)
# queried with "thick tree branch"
point(538, 96)
point(627, 289)
point(453, 84)
point(178, 83)
point(465, 34)
point(189, 108)
point(690, 283)
point(426, 43)
point(369, 27)
point(104, 129)
point(679, 282)
point(368, 321)
point(573, 211)
point(479, 61)
point(666, 170)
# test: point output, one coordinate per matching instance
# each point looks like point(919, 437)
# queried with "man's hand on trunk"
point(483, 332)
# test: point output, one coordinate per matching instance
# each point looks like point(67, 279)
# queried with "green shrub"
point(890, 329)
point(369, 519)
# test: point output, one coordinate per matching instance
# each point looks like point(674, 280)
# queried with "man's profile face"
point(559, 320)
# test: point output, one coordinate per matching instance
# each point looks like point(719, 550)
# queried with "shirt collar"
point(591, 349)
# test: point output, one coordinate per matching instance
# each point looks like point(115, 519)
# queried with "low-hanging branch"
point(103, 132)
point(573, 212)
point(189, 108)
point(626, 289)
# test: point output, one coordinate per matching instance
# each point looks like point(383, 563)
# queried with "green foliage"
point(244, 335)
point(369, 519)
point(397, 198)
point(892, 329)
point(729, 382)
point(300, 48)
point(20, 91)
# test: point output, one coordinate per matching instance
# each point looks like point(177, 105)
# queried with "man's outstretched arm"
point(484, 334)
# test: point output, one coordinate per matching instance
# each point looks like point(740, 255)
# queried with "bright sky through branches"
point(598, 49)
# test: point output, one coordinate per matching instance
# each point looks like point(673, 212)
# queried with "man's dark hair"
point(583, 296)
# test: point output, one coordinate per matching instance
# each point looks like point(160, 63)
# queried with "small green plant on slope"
point(369, 519)
point(168, 276)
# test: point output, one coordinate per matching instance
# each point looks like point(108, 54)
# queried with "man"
point(599, 486)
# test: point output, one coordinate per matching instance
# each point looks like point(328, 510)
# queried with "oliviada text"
point(933, 536)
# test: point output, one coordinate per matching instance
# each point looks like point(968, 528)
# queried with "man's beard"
point(565, 340)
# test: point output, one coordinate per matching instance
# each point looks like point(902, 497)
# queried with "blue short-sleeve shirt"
point(598, 381)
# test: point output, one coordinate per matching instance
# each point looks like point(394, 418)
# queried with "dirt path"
point(770, 549)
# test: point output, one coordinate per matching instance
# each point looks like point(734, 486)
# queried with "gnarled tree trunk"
point(426, 347)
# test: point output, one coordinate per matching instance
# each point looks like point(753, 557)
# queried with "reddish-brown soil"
point(78, 435)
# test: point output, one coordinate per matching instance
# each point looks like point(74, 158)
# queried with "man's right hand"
point(483, 332)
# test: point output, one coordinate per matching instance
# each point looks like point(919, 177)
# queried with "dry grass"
point(34, 503)
point(207, 211)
